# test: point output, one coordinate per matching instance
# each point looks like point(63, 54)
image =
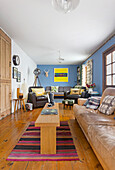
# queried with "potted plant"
point(90, 87)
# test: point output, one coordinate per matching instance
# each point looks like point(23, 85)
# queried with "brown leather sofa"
point(99, 130)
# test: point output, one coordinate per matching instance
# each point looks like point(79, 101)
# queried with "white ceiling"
point(41, 31)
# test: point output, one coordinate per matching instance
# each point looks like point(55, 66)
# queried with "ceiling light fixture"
point(65, 6)
point(60, 59)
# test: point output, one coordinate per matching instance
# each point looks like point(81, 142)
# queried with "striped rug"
point(28, 147)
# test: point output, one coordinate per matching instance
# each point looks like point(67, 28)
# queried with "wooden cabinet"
point(5, 74)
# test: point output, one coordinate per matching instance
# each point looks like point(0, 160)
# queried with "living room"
point(57, 59)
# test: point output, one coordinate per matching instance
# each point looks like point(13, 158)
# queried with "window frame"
point(105, 53)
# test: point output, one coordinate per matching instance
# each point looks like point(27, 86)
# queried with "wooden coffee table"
point(48, 124)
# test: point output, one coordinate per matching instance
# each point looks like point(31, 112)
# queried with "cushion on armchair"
point(39, 91)
point(75, 91)
point(81, 91)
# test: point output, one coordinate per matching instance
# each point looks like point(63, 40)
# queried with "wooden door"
point(3, 97)
point(5, 74)
point(3, 58)
point(0, 99)
point(8, 61)
point(8, 97)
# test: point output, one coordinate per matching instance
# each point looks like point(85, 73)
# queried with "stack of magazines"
point(49, 112)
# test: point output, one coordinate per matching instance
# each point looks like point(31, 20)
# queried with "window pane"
point(108, 69)
point(113, 79)
point(108, 80)
point(108, 59)
point(113, 67)
point(113, 56)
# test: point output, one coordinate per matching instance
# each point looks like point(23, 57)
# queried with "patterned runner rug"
point(28, 147)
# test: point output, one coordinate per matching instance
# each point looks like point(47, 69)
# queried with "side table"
point(94, 93)
point(68, 102)
point(17, 104)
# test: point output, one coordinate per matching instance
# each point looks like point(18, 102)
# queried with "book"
point(49, 112)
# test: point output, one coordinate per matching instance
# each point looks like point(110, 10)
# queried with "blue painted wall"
point(97, 64)
point(49, 81)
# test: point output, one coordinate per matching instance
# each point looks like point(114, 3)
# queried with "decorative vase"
point(90, 90)
point(20, 95)
point(18, 91)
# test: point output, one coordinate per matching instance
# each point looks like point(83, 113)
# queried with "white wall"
point(26, 67)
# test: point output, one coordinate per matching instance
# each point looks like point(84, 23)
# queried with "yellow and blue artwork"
point(60, 74)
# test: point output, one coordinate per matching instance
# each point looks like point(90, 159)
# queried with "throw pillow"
point(75, 91)
point(108, 105)
point(54, 88)
point(38, 91)
point(81, 90)
point(93, 102)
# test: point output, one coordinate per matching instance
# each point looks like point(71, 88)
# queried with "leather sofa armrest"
point(66, 93)
point(81, 101)
point(32, 98)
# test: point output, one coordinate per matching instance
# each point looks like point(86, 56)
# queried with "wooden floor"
point(12, 128)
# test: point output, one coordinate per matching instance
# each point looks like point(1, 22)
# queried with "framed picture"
point(19, 77)
point(60, 74)
point(15, 73)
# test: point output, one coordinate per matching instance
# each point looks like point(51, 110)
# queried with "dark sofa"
point(61, 90)
point(37, 101)
point(84, 94)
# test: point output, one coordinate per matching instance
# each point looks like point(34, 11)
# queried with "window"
point(109, 68)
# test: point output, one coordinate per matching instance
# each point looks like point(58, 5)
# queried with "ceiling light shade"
point(65, 5)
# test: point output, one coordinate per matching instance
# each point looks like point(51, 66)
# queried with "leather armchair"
point(84, 94)
point(37, 101)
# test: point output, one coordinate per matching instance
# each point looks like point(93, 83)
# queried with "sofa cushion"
point(48, 88)
point(102, 138)
point(41, 98)
point(61, 89)
point(67, 88)
point(108, 105)
point(58, 93)
point(73, 96)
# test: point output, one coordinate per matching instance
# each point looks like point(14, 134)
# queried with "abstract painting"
point(60, 74)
